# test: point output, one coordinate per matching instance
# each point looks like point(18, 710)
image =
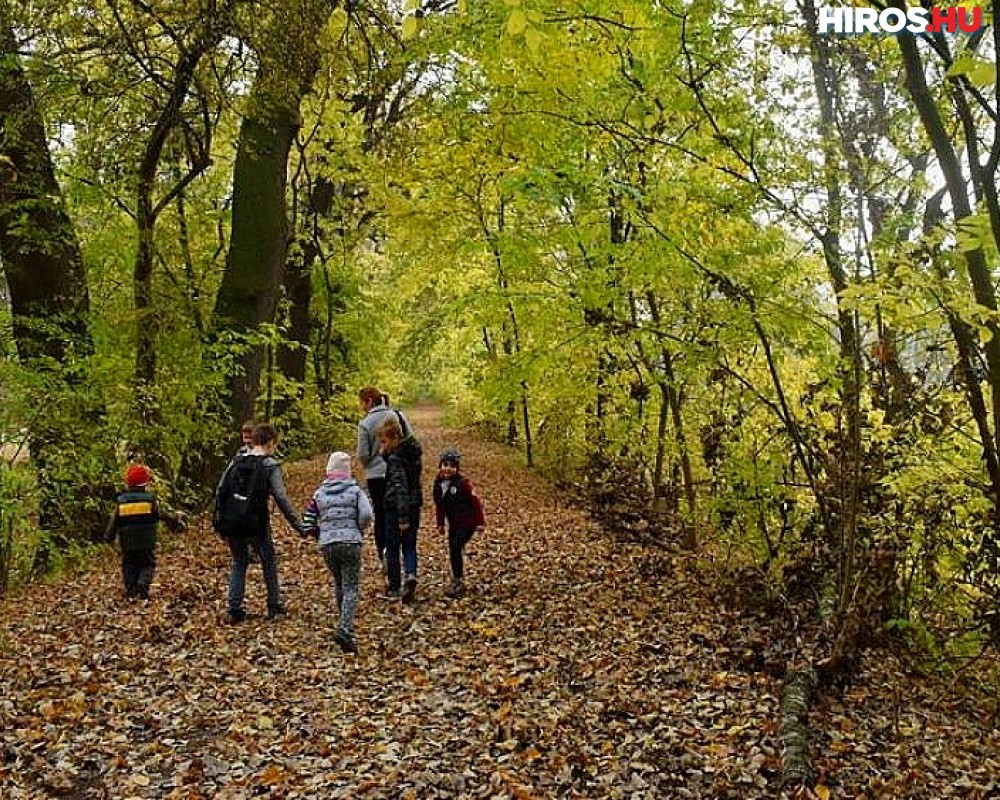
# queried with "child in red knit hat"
point(134, 524)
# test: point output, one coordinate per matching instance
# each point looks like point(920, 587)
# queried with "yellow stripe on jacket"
point(135, 509)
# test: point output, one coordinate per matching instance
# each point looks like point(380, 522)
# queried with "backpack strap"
point(407, 430)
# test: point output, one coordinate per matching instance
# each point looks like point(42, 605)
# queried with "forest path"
point(577, 666)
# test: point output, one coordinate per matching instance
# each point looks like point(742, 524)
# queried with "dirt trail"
point(576, 667)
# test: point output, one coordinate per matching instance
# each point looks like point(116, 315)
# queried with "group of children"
point(337, 514)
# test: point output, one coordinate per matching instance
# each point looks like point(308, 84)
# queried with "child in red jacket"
point(456, 501)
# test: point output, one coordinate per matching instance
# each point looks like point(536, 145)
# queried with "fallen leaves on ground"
point(578, 665)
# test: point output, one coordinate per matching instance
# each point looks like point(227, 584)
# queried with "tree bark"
point(988, 421)
point(796, 697)
point(257, 258)
point(292, 358)
point(46, 279)
point(255, 264)
point(38, 244)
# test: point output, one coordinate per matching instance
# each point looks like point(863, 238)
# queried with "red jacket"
point(456, 500)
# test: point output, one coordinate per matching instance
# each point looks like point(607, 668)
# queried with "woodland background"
point(731, 280)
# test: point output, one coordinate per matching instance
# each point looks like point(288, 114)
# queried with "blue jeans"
point(263, 546)
point(394, 541)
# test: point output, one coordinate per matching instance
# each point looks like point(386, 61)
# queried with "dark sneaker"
point(346, 642)
point(409, 589)
point(274, 612)
point(457, 589)
point(236, 617)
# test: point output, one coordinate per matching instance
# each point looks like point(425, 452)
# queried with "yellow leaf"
point(271, 776)
point(410, 26)
point(533, 39)
point(822, 792)
point(983, 75)
point(338, 21)
point(517, 22)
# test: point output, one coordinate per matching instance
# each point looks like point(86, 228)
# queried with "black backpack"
point(241, 502)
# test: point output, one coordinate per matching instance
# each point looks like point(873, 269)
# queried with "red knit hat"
point(138, 475)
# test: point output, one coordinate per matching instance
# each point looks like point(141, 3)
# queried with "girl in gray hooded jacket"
point(336, 515)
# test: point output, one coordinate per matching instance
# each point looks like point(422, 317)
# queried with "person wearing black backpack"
point(403, 500)
point(242, 518)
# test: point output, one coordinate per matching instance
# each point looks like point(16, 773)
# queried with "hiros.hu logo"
point(914, 19)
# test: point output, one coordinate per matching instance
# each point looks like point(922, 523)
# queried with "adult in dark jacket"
point(260, 539)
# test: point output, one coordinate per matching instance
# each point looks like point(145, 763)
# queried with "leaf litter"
point(579, 665)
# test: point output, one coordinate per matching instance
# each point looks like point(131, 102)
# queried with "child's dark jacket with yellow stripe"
point(135, 520)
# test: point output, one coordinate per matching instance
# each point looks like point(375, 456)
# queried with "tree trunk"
point(148, 210)
point(255, 264)
point(293, 357)
point(796, 697)
point(258, 247)
point(292, 354)
point(38, 244)
point(976, 266)
point(671, 398)
point(46, 280)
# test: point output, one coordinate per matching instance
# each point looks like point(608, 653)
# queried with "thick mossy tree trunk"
point(286, 41)
point(255, 266)
point(46, 280)
point(38, 244)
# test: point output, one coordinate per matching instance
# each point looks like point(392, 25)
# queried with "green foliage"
point(17, 548)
